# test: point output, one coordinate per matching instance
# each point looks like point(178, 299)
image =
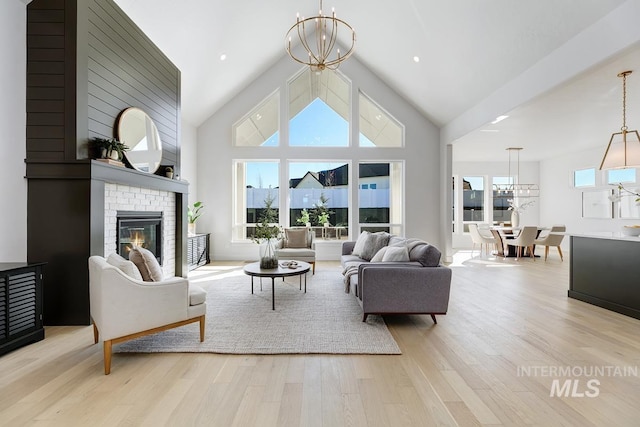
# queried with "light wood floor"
point(503, 315)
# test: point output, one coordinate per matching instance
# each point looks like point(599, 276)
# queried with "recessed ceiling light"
point(416, 59)
point(498, 119)
point(223, 57)
point(489, 130)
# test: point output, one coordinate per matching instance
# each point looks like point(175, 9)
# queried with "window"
point(256, 184)
point(380, 197)
point(377, 127)
point(501, 199)
point(260, 126)
point(584, 177)
point(322, 190)
point(472, 199)
point(319, 107)
point(615, 176)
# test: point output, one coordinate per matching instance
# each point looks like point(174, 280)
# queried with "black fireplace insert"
point(139, 228)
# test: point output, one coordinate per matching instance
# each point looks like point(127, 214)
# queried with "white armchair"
point(298, 245)
point(124, 308)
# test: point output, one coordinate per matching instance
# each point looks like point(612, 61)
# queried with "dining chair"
point(525, 239)
point(553, 238)
point(478, 238)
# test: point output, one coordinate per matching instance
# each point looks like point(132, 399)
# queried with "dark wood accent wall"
point(125, 69)
point(47, 78)
point(87, 62)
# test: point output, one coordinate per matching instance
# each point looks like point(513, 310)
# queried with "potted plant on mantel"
point(193, 213)
point(108, 148)
point(267, 230)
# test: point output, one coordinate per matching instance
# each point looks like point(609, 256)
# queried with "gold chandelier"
point(318, 36)
point(620, 154)
point(514, 188)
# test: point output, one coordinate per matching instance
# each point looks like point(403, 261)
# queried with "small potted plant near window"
point(304, 218)
point(193, 213)
point(323, 219)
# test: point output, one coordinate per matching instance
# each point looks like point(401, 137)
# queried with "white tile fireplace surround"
point(118, 197)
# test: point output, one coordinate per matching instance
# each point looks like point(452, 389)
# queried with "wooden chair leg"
point(96, 334)
point(313, 265)
point(546, 252)
point(202, 319)
point(107, 357)
point(531, 254)
point(560, 252)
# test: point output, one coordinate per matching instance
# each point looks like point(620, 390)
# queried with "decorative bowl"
point(631, 230)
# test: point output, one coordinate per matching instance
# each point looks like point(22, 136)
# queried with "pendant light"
point(623, 150)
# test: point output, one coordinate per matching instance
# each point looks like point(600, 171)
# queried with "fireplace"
point(139, 228)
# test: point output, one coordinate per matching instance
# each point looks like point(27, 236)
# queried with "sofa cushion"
point(126, 266)
point(147, 263)
point(375, 241)
point(360, 243)
point(425, 254)
point(397, 241)
point(197, 295)
point(295, 253)
point(296, 238)
point(380, 254)
point(396, 254)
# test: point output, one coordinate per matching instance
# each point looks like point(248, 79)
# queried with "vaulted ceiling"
point(468, 50)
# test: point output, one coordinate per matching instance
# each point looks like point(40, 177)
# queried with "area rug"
point(324, 320)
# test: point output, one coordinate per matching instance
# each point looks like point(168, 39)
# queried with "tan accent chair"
point(479, 239)
point(524, 240)
point(306, 253)
point(553, 238)
point(124, 308)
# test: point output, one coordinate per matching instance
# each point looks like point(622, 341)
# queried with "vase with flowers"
point(516, 209)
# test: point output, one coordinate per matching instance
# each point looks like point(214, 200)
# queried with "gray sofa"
point(418, 286)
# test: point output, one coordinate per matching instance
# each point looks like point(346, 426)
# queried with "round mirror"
point(138, 132)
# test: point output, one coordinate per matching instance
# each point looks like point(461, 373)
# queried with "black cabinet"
point(605, 271)
point(20, 305)
point(197, 250)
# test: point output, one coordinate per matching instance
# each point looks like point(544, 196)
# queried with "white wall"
point(188, 159)
point(529, 174)
point(216, 154)
point(13, 185)
point(563, 204)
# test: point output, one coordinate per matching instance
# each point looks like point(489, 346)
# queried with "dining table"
point(504, 233)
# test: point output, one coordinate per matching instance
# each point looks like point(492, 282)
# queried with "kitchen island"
point(605, 271)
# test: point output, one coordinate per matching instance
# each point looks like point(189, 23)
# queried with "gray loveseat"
point(419, 285)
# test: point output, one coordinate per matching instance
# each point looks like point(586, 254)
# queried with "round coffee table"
point(254, 270)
